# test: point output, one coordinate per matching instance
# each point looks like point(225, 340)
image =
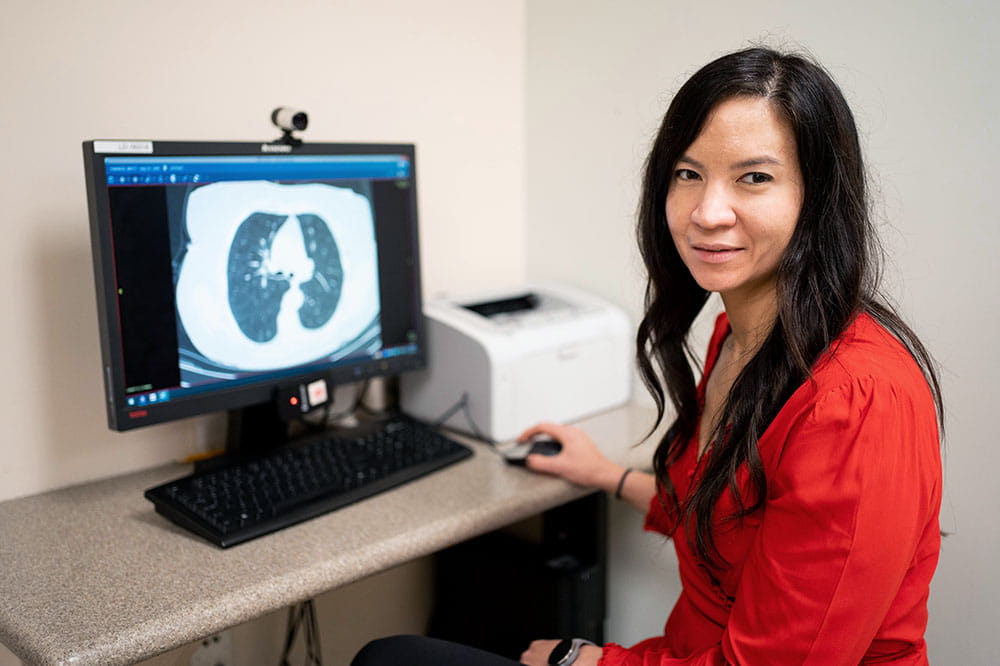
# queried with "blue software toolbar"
point(185, 170)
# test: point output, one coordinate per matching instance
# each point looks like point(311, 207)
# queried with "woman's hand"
point(538, 653)
point(580, 461)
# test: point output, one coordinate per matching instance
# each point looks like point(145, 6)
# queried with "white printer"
point(548, 352)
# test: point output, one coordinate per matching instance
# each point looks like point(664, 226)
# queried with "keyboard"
point(255, 496)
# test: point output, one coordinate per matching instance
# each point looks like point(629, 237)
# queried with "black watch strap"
point(566, 651)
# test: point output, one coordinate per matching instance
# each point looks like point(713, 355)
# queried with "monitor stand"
point(250, 431)
point(255, 429)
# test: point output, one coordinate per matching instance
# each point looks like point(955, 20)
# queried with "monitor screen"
point(226, 271)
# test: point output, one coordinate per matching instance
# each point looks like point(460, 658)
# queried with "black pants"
point(423, 651)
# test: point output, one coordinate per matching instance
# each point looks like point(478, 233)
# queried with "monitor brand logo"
point(275, 148)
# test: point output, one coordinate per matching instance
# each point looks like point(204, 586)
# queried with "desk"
point(90, 574)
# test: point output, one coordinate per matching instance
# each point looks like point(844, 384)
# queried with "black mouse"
point(546, 446)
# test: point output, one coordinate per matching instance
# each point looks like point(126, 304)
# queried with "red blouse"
point(835, 567)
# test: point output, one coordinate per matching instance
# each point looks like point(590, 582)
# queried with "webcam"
point(289, 120)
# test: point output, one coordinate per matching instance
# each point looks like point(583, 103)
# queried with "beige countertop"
point(90, 574)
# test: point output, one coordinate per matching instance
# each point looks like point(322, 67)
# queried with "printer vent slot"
point(505, 305)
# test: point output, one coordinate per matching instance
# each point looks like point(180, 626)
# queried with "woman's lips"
point(715, 254)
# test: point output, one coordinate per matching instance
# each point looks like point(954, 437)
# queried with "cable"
point(451, 410)
point(359, 397)
point(303, 613)
point(463, 405)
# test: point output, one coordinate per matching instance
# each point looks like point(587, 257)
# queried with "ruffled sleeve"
point(658, 519)
point(616, 655)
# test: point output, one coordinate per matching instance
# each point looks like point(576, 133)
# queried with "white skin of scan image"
point(213, 216)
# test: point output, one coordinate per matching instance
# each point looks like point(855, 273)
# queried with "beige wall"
point(447, 76)
point(922, 80)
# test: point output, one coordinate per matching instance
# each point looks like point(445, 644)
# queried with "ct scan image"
point(275, 276)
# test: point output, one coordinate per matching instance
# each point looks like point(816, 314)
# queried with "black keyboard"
point(256, 496)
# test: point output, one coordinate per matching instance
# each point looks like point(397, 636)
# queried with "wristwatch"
point(566, 651)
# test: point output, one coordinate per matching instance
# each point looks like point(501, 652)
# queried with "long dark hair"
point(827, 276)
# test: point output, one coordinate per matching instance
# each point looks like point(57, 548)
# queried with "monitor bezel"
point(120, 416)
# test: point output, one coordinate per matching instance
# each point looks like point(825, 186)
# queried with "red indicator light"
point(293, 401)
point(138, 414)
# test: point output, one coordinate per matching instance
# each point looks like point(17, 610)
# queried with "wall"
point(445, 75)
point(921, 79)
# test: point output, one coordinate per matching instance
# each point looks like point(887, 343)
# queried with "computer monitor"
point(228, 274)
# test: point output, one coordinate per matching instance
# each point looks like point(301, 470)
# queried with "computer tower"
point(502, 590)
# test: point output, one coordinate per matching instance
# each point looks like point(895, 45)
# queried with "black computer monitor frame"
point(256, 396)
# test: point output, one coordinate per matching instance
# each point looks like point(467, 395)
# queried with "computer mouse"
point(518, 454)
point(545, 446)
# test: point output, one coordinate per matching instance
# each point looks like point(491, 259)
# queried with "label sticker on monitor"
point(317, 392)
point(133, 147)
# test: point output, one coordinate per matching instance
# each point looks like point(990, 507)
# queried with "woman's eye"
point(756, 178)
point(686, 174)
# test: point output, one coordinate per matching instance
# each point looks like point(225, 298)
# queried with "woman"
point(800, 481)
